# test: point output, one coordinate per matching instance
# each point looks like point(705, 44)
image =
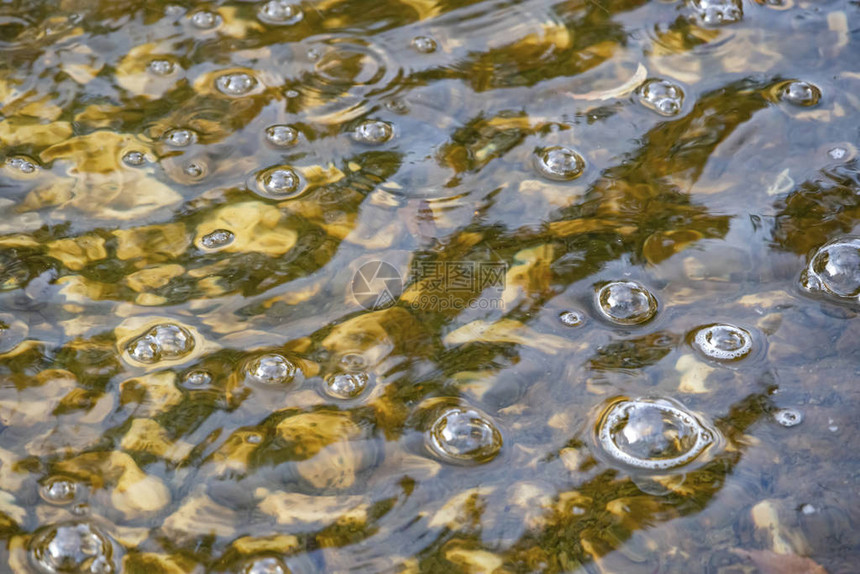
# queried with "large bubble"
point(723, 342)
point(72, 548)
point(270, 369)
point(834, 270)
point(162, 342)
point(626, 302)
point(652, 434)
point(464, 435)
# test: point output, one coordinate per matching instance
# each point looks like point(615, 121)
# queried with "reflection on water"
point(424, 286)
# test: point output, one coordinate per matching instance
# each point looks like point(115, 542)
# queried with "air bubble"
point(652, 434)
point(465, 436)
point(22, 164)
point(161, 67)
point(205, 20)
point(559, 163)
point(373, 132)
point(266, 565)
point(72, 548)
point(835, 269)
point(235, 84)
point(280, 12)
point(58, 490)
point(134, 158)
point(217, 239)
point(162, 342)
point(424, 44)
point(718, 12)
point(346, 385)
point(279, 182)
point(788, 417)
point(352, 362)
point(571, 318)
point(270, 369)
point(723, 342)
point(837, 153)
point(197, 379)
point(282, 135)
point(799, 93)
point(626, 303)
point(180, 137)
point(662, 96)
point(194, 170)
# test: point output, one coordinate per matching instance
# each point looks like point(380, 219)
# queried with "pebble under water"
point(409, 286)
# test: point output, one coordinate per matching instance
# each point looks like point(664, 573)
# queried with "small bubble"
point(180, 137)
point(22, 164)
point(253, 438)
point(717, 12)
point(280, 12)
point(292, 94)
point(652, 434)
point(161, 67)
point(73, 548)
point(464, 435)
point(346, 385)
point(571, 318)
point(799, 93)
point(559, 163)
point(235, 84)
point(282, 135)
point(808, 509)
point(198, 378)
point(217, 239)
point(837, 153)
point(59, 490)
point(279, 182)
point(424, 44)
point(166, 341)
point(134, 158)
point(205, 20)
point(267, 565)
point(194, 170)
point(626, 302)
point(788, 417)
point(723, 342)
point(662, 96)
point(271, 369)
point(373, 132)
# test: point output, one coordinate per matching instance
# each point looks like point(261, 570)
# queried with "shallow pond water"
point(430, 286)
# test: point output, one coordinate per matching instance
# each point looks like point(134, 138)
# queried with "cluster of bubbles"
point(279, 182)
point(718, 12)
point(559, 163)
point(280, 12)
point(834, 270)
point(652, 434)
point(162, 342)
point(22, 164)
point(73, 548)
point(373, 132)
point(270, 369)
point(464, 435)
point(626, 303)
point(662, 96)
point(723, 342)
point(217, 239)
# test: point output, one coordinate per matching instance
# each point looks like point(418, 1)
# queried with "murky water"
point(422, 286)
